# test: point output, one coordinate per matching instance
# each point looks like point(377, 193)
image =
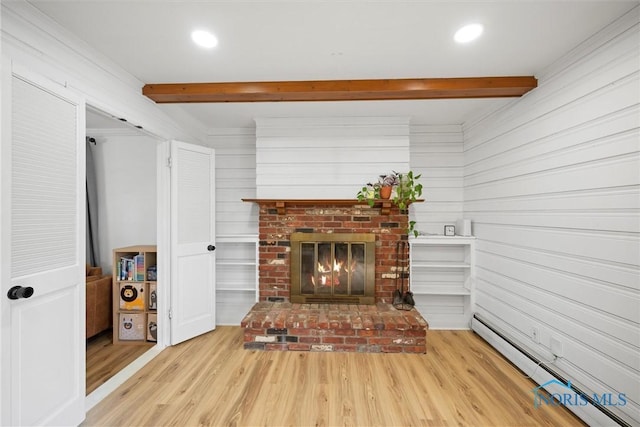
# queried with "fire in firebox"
point(334, 269)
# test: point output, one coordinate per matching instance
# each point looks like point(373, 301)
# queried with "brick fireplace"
point(275, 323)
point(278, 219)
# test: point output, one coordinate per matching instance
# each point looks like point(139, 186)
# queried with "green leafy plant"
point(371, 191)
point(407, 187)
point(407, 192)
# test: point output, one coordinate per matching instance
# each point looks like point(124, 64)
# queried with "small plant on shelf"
point(407, 190)
point(372, 191)
point(389, 180)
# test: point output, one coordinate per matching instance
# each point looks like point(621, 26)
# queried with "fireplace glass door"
point(330, 267)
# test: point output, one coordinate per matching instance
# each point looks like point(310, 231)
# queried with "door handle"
point(211, 248)
point(18, 292)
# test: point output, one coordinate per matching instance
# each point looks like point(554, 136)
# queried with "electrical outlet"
point(535, 334)
point(556, 347)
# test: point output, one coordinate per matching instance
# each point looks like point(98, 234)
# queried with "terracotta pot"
point(385, 191)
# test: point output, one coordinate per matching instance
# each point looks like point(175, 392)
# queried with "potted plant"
point(379, 190)
point(407, 187)
point(408, 191)
point(387, 183)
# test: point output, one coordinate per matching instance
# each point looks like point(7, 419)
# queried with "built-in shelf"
point(238, 262)
point(444, 290)
point(442, 273)
point(441, 264)
point(231, 289)
point(237, 256)
point(385, 205)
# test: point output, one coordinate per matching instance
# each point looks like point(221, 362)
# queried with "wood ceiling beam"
point(341, 90)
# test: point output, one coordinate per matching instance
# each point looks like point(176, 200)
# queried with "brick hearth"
point(378, 328)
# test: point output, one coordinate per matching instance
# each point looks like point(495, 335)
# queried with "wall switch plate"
point(556, 347)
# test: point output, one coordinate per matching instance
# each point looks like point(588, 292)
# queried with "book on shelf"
point(126, 268)
point(131, 268)
point(152, 273)
point(138, 261)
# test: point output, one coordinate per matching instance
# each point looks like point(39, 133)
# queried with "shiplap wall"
point(437, 154)
point(552, 184)
point(327, 158)
point(235, 180)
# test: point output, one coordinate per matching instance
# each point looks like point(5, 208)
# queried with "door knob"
point(18, 292)
point(211, 248)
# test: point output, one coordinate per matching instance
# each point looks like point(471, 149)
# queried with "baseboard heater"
point(593, 414)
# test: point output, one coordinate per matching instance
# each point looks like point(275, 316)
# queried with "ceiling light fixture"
point(468, 33)
point(204, 39)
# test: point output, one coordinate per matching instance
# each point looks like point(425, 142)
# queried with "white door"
point(193, 293)
point(43, 249)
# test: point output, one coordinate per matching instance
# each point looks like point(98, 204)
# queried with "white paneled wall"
point(327, 158)
point(437, 154)
point(552, 184)
point(235, 180)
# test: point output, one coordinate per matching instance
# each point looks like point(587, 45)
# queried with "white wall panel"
point(235, 180)
point(329, 158)
point(580, 355)
point(437, 154)
point(615, 274)
point(601, 327)
point(602, 246)
point(552, 185)
point(231, 307)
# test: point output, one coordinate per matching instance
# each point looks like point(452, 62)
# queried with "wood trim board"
point(341, 90)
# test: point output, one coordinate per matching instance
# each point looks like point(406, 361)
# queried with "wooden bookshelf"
point(134, 294)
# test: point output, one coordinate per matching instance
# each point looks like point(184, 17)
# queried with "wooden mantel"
point(342, 90)
point(385, 205)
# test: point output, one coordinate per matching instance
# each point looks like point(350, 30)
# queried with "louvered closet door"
point(43, 250)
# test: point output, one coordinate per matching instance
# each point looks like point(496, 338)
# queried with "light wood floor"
point(212, 381)
point(104, 359)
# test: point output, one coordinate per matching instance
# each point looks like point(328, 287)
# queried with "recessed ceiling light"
point(204, 39)
point(468, 33)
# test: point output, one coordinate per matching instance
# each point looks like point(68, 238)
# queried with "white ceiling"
point(324, 40)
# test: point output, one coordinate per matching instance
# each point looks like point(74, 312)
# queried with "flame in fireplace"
point(333, 267)
point(328, 275)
